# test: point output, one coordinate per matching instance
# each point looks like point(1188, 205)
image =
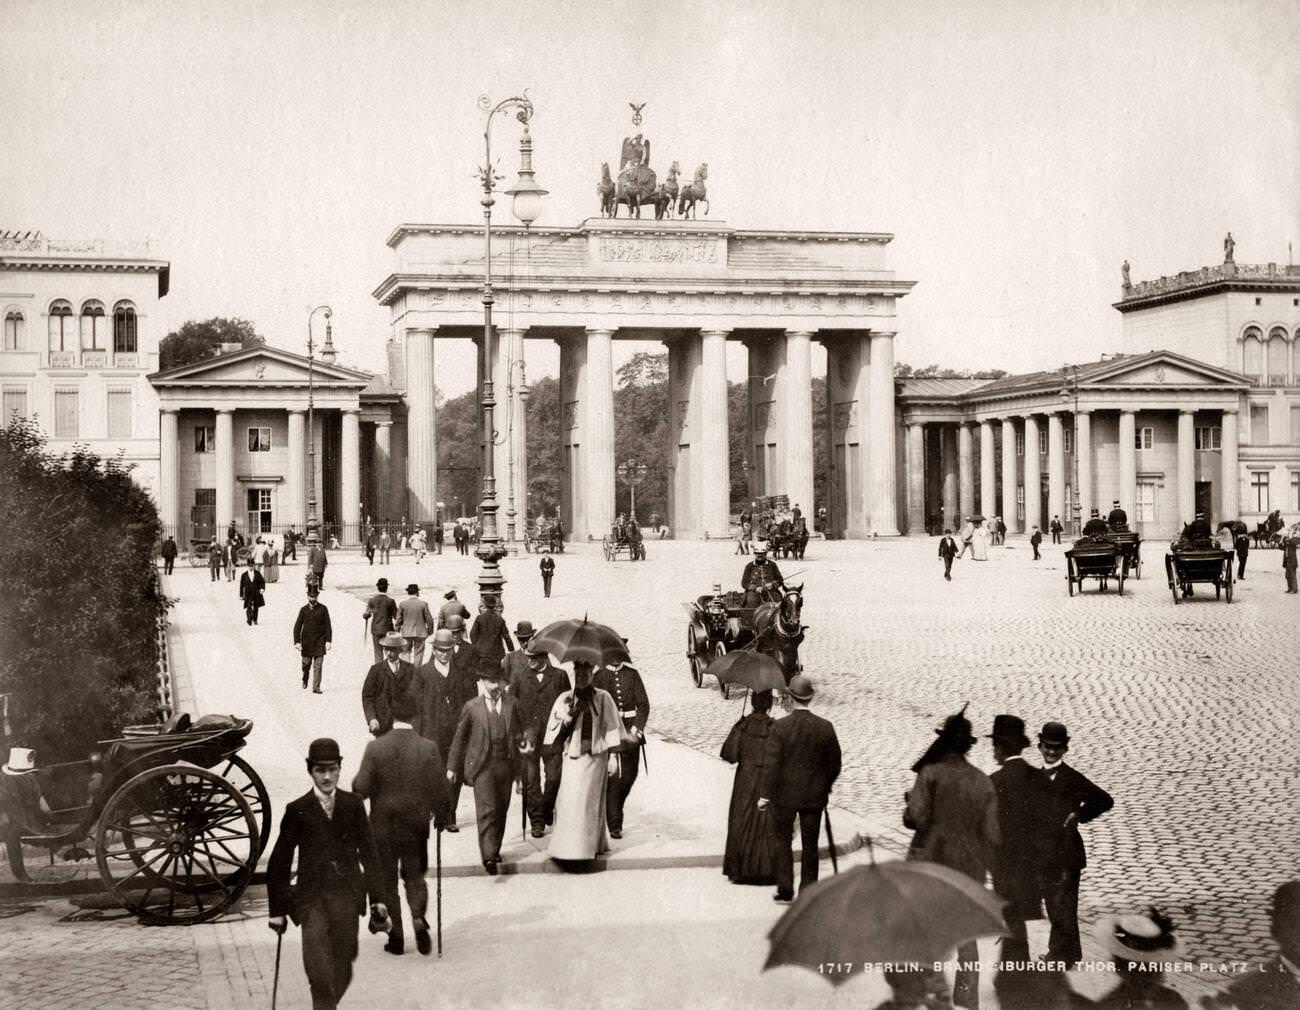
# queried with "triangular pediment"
point(263, 365)
point(1159, 368)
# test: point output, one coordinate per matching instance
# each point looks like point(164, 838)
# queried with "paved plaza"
point(1186, 714)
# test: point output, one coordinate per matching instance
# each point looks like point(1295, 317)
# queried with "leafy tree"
point(643, 414)
point(460, 460)
point(197, 341)
point(79, 599)
point(904, 371)
point(544, 462)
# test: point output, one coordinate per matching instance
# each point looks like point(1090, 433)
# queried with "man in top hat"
point(252, 586)
point(381, 612)
point(403, 777)
point(1117, 518)
point(387, 680)
point(1276, 985)
point(1056, 528)
point(414, 623)
point(444, 691)
point(761, 579)
point(338, 866)
point(1064, 799)
point(1138, 946)
point(1015, 873)
point(547, 568)
point(22, 807)
point(534, 689)
point(312, 636)
point(1198, 528)
point(948, 552)
point(489, 635)
point(801, 764)
point(485, 753)
point(169, 551)
point(953, 810)
point(451, 605)
point(1095, 526)
point(1289, 545)
point(623, 683)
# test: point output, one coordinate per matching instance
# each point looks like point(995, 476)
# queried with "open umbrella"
point(887, 912)
point(755, 670)
point(572, 640)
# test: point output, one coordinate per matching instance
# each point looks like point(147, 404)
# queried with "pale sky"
point(1018, 151)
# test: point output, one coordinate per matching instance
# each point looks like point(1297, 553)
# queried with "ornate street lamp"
point(527, 196)
point(1070, 391)
point(313, 523)
point(631, 472)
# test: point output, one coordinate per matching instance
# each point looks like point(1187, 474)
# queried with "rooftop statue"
point(1228, 247)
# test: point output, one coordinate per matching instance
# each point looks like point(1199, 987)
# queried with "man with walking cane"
point(802, 763)
point(338, 866)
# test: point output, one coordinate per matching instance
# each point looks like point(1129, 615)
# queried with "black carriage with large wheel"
point(1097, 558)
point(719, 622)
point(624, 540)
point(1188, 564)
point(177, 818)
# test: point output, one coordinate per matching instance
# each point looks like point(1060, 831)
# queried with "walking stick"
point(438, 857)
point(830, 839)
point(275, 985)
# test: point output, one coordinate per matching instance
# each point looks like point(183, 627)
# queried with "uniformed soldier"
point(761, 579)
point(624, 685)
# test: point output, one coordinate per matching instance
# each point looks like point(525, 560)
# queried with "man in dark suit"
point(386, 681)
point(381, 613)
point(252, 585)
point(1015, 875)
point(444, 692)
point(547, 568)
point(403, 777)
point(338, 866)
point(312, 635)
point(1117, 519)
point(801, 765)
point(1063, 800)
point(534, 690)
point(1096, 526)
point(947, 551)
point(623, 683)
point(489, 637)
point(485, 753)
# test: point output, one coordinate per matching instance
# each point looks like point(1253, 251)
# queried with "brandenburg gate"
point(693, 286)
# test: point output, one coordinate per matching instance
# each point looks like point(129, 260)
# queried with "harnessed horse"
point(778, 631)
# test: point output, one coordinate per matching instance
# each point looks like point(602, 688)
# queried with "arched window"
point(1252, 354)
point(124, 328)
point(92, 325)
point(61, 331)
point(1277, 354)
point(14, 325)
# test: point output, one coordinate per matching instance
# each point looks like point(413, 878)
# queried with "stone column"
point(169, 473)
point(1127, 490)
point(988, 471)
point(225, 469)
point(513, 480)
point(1056, 468)
point(599, 394)
point(1187, 466)
point(1083, 459)
point(421, 427)
point(350, 476)
point(965, 471)
point(712, 475)
point(295, 484)
point(1230, 476)
point(683, 438)
point(915, 479)
point(1033, 476)
point(882, 460)
point(383, 469)
point(952, 517)
point(1009, 475)
point(798, 434)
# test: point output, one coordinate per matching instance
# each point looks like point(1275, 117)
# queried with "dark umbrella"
point(755, 670)
point(887, 912)
point(572, 640)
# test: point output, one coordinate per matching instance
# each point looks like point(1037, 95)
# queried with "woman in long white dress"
point(584, 723)
point(979, 542)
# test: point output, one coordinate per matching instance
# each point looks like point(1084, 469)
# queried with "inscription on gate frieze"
point(650, 250)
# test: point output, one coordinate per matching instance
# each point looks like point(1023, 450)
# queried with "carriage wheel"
point(697, 667)
point(177, 844)
point(720, 650)
point(241, 774)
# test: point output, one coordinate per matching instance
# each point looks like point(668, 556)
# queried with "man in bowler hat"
point(338, 866)
point(312, 636)
point(947, 551)
point(385, 681)
point(1015, 875)
point(801, 764)
point(1064, 799)
point(402, 776)
point(534, 690)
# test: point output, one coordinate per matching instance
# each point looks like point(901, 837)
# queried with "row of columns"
point(957, 488)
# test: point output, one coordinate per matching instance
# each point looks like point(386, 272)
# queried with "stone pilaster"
point(383, 470)
point(952, 516)
point(1230, 475)
point(988, 471)
point(295, 484)
point(169, 474)
point(797, 437)
point(421, 427)
point(1033, 476)
point(1187, 466)
point(915, 479)
point(882, 461)
point(350, 476)
point(1083, 461)
point(965, 471)
point(1127, 448)
point(711, 474)
point(1009, 473)
point(1056, 468)
point(599, 393)
point(225, 469)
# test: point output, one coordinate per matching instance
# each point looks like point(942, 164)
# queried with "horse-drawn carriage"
point(1099, 558)
point(1130, 546)
point(1193, 561)
point(544, 534)
point(785, 532)
point(624, 540)
point(1270, 533)
point(177, 817)
point(723, 622)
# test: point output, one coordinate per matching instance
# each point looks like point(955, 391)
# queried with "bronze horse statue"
point(694, 192)
point(605, 190)
point(778, 631)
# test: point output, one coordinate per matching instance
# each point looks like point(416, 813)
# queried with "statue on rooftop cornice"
point(1228, 247)
point(1124, 270)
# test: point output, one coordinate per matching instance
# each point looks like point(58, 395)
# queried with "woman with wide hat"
point(1140, 947)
